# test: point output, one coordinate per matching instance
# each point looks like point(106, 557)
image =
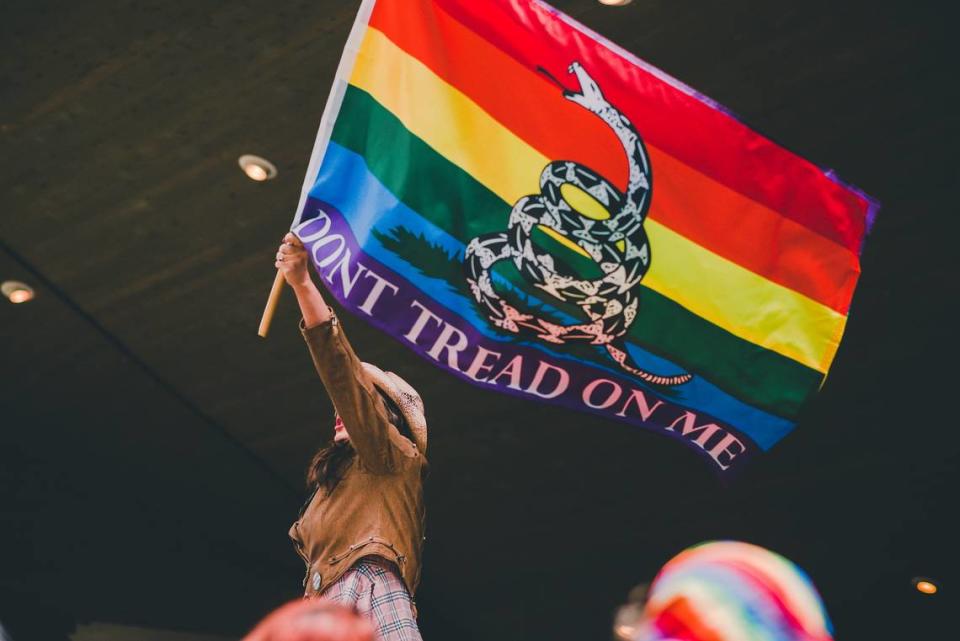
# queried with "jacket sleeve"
point(353, 394)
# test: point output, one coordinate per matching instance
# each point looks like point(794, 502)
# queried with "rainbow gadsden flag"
point(538, 212)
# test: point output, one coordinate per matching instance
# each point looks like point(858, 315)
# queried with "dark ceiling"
point(152, 447)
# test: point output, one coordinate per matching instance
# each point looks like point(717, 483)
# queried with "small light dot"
point(17, 292)
point(256, 172)
point(926, 586)
point(615, 3)
point(257, 168)
point(625, 631)
point(20, 296)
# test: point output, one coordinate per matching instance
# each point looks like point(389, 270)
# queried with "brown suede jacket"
point(377, 508)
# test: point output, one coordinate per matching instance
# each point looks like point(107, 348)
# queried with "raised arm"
point(350, 388)
point(291, 259)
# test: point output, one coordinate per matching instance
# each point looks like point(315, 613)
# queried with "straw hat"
point(406, 399)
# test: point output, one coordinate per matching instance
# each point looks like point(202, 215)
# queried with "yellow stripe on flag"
point(447, 120)
point(712, 287)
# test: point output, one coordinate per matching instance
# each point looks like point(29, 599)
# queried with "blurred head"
point(312, 620)
point(727, 591)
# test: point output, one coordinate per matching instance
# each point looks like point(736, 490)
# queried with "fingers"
point(287, 263)
point(292, 239)
point(289, 249)
point(291, 258)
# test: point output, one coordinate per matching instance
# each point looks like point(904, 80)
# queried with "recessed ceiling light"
point(925, 585)
point(615, 3)
point(17, 292)
point(257, 168)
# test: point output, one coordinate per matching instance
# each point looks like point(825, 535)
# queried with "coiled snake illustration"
point(618, 244)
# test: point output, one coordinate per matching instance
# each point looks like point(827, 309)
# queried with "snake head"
point(589, 96)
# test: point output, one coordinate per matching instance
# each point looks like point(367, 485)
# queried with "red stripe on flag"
point(681, 124)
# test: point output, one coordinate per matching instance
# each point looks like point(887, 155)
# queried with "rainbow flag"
point(539, 212)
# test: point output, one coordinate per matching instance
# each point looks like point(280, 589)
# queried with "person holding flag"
point(361, 530)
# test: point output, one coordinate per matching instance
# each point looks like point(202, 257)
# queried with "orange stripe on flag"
point(684, 200)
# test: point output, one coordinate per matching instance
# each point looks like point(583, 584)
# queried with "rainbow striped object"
point(732, 591)
point(539, 212)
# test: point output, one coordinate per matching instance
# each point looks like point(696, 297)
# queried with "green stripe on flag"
point(453, 200)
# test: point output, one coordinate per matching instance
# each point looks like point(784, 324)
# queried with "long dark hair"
point(331, 462)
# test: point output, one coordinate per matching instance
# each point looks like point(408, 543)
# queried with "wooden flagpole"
point(271, 307)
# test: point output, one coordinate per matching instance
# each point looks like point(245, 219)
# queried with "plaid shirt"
point(373, 586)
